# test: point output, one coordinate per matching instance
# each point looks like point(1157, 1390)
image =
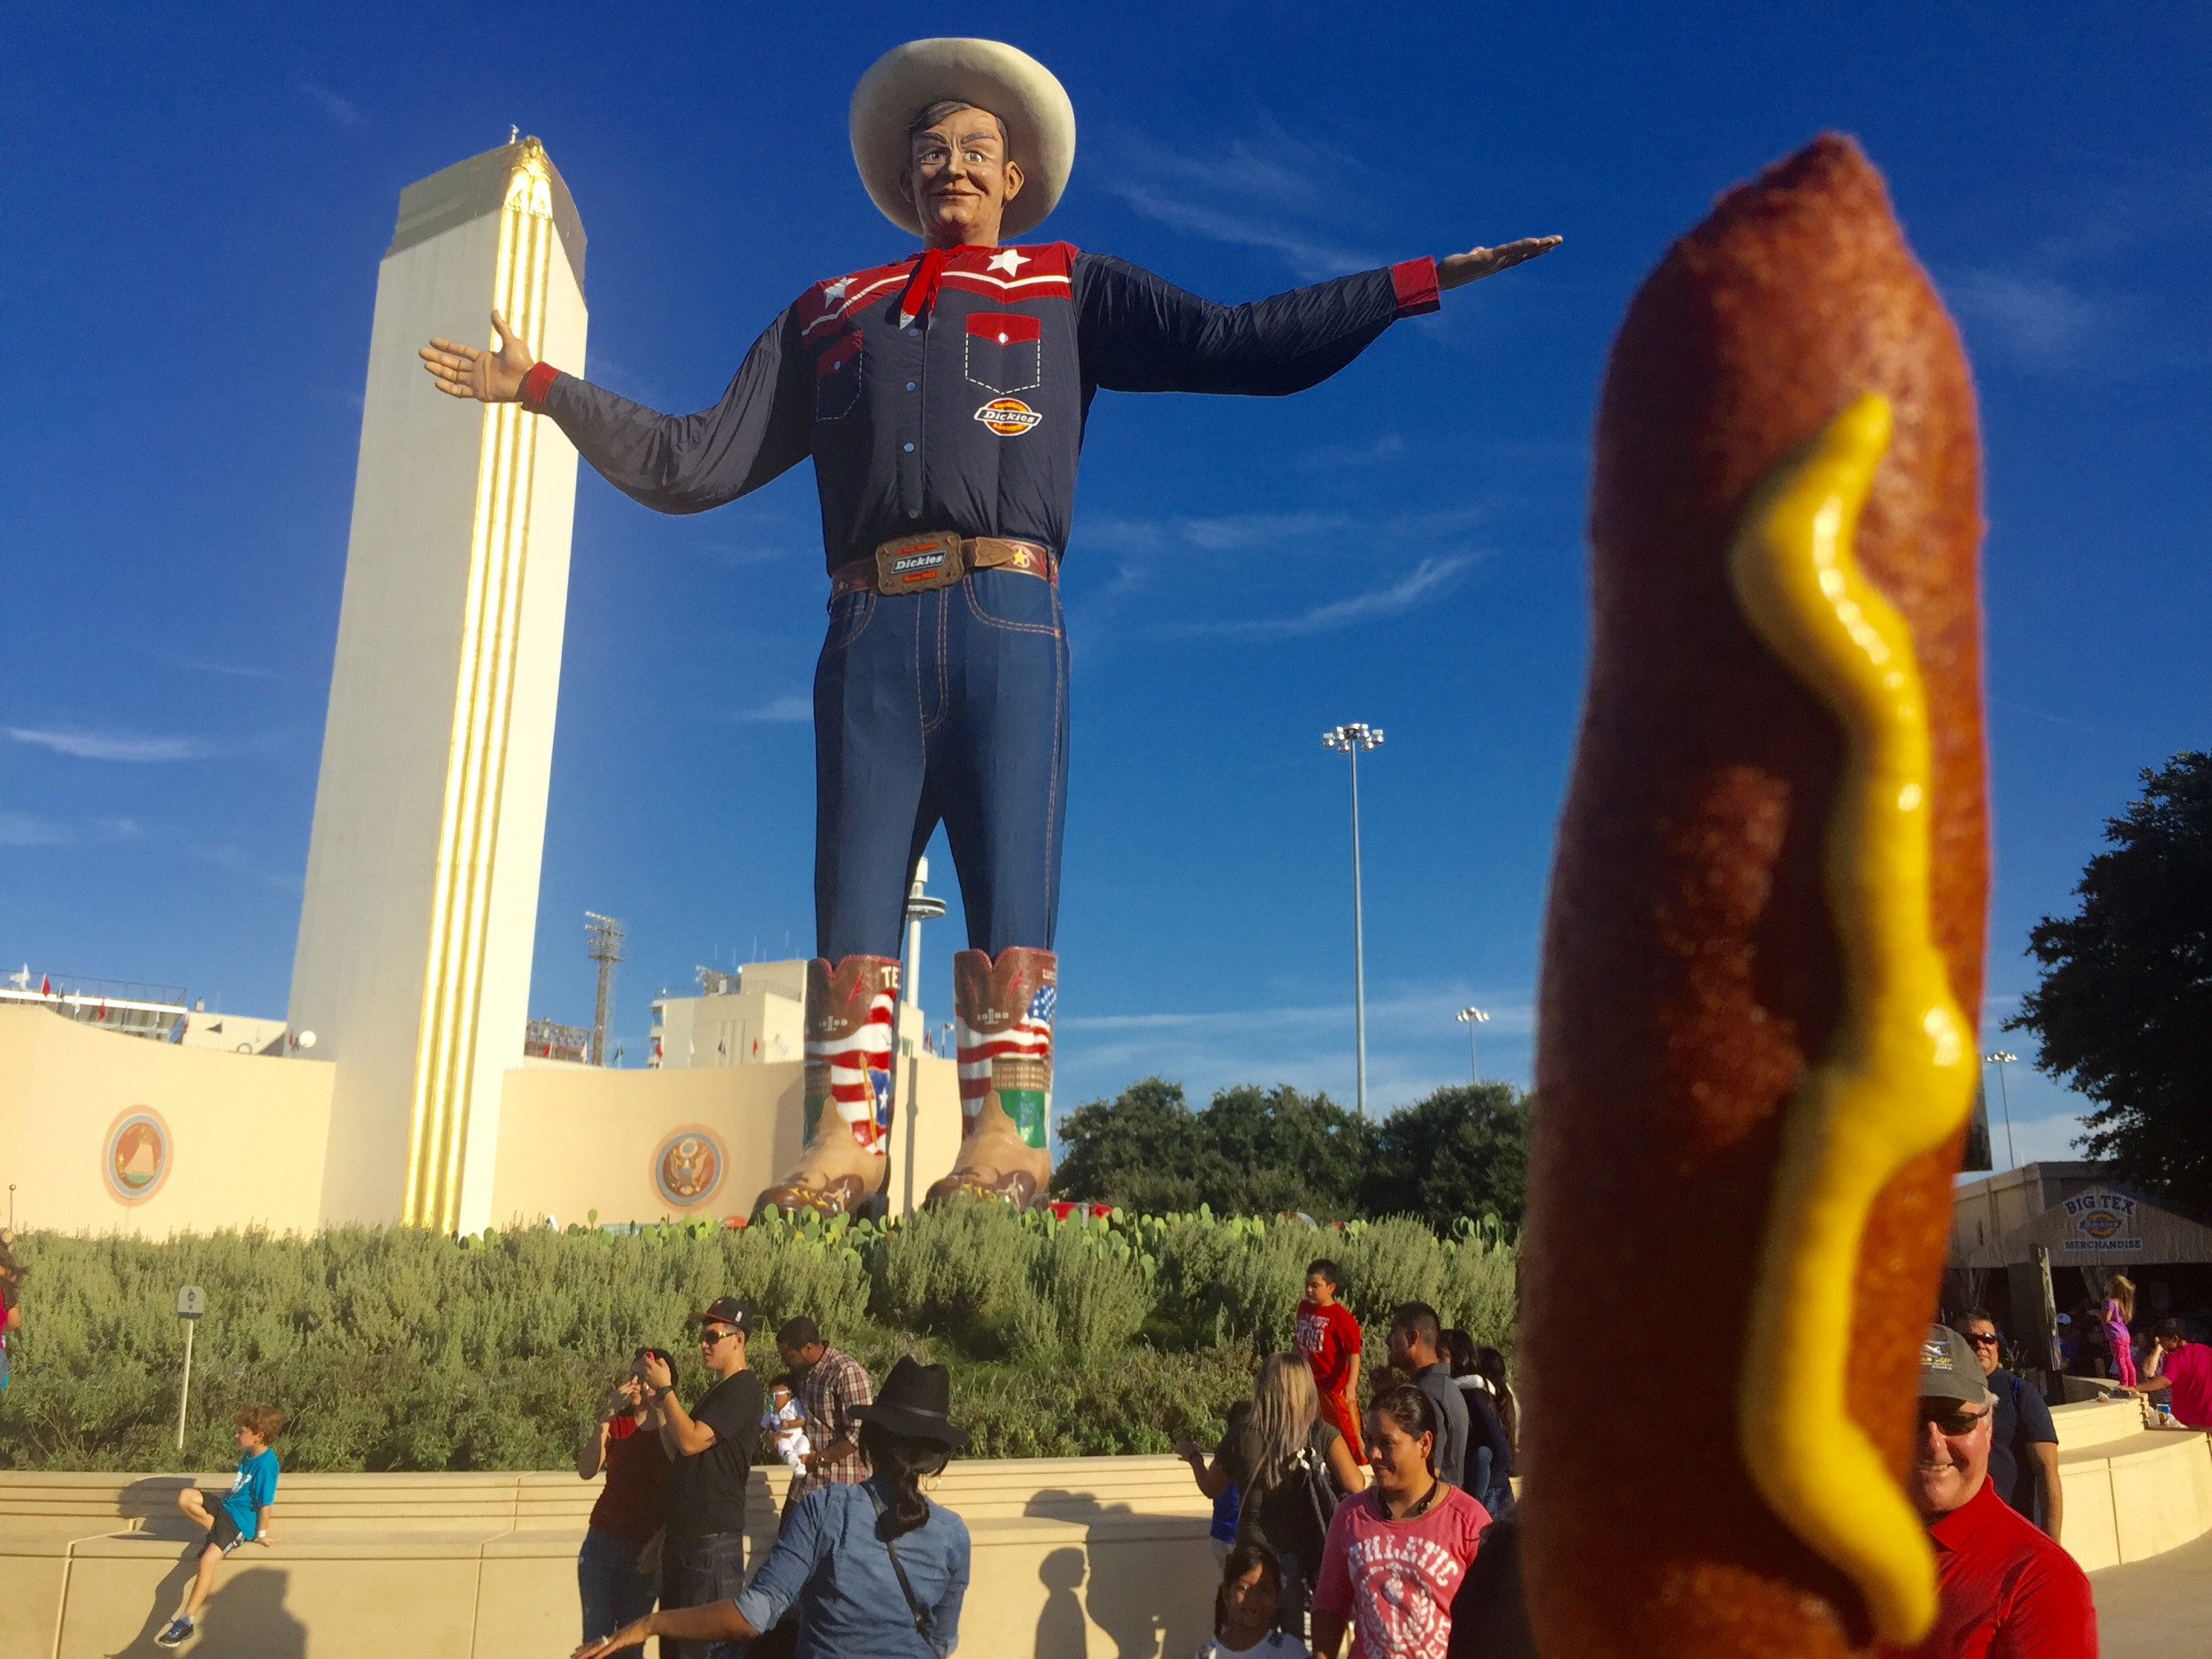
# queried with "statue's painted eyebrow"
point(965, 138)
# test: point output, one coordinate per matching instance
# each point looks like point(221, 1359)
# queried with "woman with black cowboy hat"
point(878, 1570)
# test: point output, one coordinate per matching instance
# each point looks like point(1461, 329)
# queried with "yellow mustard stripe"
point(1897, 1079)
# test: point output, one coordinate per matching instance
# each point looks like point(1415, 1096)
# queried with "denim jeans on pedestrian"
point(949, 705)
point(695, 1571)
point(1297, 1596)
point(612, 1590)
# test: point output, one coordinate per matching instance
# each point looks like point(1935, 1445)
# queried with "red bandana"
point(921, 288)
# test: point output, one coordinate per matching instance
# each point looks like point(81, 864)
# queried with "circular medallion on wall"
point(136, 1156)
point(688, 1167)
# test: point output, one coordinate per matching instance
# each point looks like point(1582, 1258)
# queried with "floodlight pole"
point(1472, 1017)
point(603, 936)
point(1350, 740)
point(2004, 1103)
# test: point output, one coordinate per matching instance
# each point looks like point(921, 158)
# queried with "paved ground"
point(2159, 1609)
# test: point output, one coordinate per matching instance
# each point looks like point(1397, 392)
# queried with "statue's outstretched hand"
point(465, 371)
point(1454, 269)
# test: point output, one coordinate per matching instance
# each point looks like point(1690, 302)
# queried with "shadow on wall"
point(245, 1617)
point(1118, 1592)
point(1061, 1631)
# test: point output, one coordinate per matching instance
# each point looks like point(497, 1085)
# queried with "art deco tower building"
point(413, 964)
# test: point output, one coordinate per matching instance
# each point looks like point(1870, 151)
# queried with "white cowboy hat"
point(990, 75)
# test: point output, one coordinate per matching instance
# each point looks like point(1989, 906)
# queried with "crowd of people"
point(669, 1524)
point(1331, 1521)
point(1392, 1524)
point(2098, 1341)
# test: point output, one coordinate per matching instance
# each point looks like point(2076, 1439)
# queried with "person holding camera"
point(618, 1568)
point(710, 1447)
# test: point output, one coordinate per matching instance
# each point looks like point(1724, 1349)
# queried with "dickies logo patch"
point(1009, 417)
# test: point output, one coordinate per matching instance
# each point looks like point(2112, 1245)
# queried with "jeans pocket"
point(848, 619)
point(1012, 600)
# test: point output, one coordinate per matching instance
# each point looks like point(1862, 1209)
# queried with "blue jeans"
point(949, 706)
point(695, 1571)
point(608, 1583)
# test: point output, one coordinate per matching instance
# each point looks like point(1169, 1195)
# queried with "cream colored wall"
point(1071, 1558)
point(250, 1133)
point(247, 1132)
point(578, 1138)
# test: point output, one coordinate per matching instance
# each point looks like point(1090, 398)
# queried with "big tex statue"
point(942, 397)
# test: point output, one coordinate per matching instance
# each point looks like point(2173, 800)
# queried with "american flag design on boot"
point(850, 1010)
point(1003, 1011)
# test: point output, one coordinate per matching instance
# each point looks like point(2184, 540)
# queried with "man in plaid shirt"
point(831, 1383)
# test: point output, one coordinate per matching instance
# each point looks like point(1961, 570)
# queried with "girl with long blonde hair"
point(1292, 1468)
point(2119, 1308)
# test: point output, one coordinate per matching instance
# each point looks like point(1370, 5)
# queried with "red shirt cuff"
point(1415, 281)
point(539, 381)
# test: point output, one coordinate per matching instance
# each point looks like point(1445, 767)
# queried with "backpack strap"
point(922, 1628)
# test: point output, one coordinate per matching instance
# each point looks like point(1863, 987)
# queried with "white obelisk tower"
point(413, 966)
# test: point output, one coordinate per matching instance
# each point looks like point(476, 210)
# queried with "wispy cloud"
point(342, 111)
point(1229, 533)
point(1430, 577)
point(18, 829)
point(1389, 447)
point(1256, 191)
point(1413, 1046)
point(228, 671)
point(1308, 257)
point(113, 745)
point(2039, 320)
point(793, 707)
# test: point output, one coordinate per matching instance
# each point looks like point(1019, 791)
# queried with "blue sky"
point(195, 200)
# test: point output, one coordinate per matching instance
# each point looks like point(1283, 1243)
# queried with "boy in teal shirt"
point(241, 1515)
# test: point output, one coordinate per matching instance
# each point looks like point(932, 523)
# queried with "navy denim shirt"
point(830, 1561)
point(967, 414)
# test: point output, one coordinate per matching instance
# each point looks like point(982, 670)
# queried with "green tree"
point(2124, 1010)
point(1463, 1151)
point(1277, 1149)
point(1142, 1149)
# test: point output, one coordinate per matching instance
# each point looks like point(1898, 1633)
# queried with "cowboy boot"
point(1004, 1015)
point(848, 1013)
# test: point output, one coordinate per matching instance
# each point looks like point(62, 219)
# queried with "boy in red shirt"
point(1330, 1339)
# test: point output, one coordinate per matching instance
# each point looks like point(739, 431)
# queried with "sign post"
point(2050, 1309)
point(191, 1304)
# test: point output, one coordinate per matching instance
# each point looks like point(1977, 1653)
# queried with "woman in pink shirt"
point(1396, 1552)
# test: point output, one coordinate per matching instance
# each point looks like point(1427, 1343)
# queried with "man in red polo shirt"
point(2006, 1591)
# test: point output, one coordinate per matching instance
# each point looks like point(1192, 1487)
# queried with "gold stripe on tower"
point(468, 830)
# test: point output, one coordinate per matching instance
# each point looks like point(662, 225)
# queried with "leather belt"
point(915, 564)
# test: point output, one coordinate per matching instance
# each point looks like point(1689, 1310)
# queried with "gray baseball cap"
point(1948, 1370)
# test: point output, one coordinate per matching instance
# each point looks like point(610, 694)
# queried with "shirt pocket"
point(837, 371)
point(1005, 351)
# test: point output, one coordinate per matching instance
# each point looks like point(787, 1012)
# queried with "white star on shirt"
point(1011, 261)
point(836, 290)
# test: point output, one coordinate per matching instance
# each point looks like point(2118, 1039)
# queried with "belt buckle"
point(914, 565)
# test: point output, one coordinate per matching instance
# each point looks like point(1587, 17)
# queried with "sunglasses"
point(708, 1339)
point(1953, 1420)
point(1982, 1339)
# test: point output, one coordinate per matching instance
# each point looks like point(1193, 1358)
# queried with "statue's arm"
point(761, 427)
point(1138, 332)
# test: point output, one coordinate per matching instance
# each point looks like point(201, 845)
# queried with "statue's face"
point(960, 179)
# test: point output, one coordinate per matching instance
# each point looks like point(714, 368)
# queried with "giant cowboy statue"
point(942, 396)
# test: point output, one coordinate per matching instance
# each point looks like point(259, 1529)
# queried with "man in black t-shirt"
point(2023, 1441)
point(710, 1452)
